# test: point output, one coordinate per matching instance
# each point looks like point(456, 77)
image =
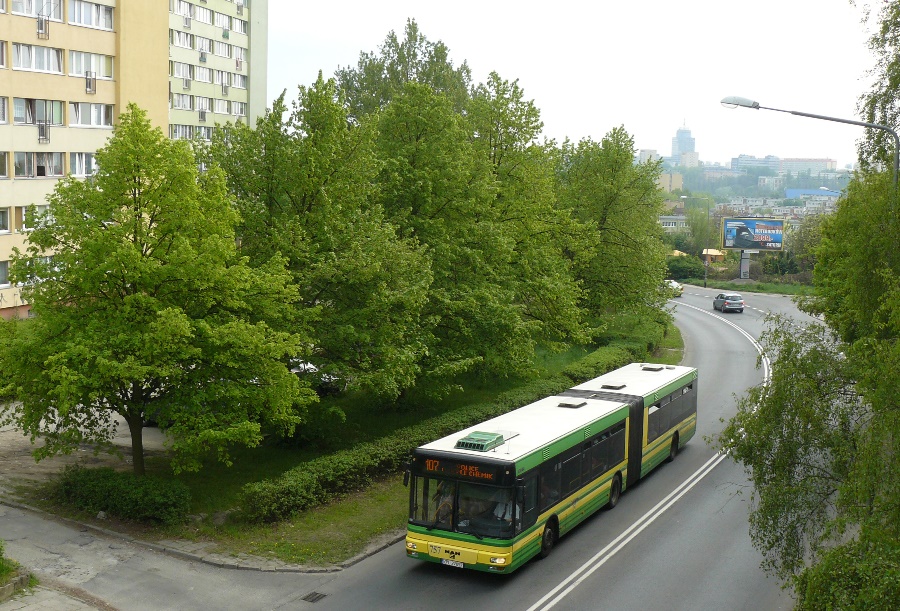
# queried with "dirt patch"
point(18, 466)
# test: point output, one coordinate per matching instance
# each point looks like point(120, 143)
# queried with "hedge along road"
point(694, 555)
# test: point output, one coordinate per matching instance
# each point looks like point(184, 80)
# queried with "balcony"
point(43, 132)
point(43, 27)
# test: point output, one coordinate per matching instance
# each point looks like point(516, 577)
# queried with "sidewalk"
point(46, 599)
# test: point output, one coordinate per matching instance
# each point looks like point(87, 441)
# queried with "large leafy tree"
point(618, 253)
point(143, 308)
point(379, 77)
point(820, 442)
point(439, 190)
point(506, 128)
point(305, 182)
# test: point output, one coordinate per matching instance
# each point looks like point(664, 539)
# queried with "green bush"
point(124, 495)
point(7, 566)
point(319, 480)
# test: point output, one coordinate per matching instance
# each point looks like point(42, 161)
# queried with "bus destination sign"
point(484, 473)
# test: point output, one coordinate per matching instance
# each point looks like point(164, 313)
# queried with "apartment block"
point(69, 67)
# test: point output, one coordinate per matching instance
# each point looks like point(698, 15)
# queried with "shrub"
point(319, 480)
point(124, 495)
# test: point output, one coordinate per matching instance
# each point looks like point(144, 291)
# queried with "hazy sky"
point(651, 66)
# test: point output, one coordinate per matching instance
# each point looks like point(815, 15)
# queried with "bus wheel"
point(548, 540)
point(615, 491)
point(673, 451)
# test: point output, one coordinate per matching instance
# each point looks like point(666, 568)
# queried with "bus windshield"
point(477, 509)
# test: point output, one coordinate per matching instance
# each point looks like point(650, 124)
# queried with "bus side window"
point(549, 493)
point(529, 500)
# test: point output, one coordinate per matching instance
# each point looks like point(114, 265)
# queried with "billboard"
point(753, 234)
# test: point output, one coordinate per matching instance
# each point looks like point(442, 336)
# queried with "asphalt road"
point(677, 540)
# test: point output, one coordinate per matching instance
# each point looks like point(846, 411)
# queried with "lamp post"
point(735, 101)
point(706, 252)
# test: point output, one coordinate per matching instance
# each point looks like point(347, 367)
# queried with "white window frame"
point(239, 109)
point(183, 40)
point(39, 209)
point(239, 25)
point(36, 8)
point(25, 57)
point(222, 107)
point(81, 62)
point(222, 49)
point(91, 15)
point(239, 81)
point(80, 163)
point(4, 274)
point(98, 115)
point(203, 74)
point(5, 217)
point(33, 161)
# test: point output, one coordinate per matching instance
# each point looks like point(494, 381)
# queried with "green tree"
point(619, 255)
point(306, 185)
point(439, 190)
point(143, 308)
point(379, 77)
point(506, 128)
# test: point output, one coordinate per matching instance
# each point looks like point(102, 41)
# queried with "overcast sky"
point(651, 66)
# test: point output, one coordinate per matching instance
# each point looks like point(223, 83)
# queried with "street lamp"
point(705, 262)
point(733, 101)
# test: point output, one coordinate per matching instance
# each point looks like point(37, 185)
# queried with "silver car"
point(728, 301)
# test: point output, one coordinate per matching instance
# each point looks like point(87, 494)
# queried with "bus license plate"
point(455, 563)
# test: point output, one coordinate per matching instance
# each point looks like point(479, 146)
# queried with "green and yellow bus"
point(495, 495)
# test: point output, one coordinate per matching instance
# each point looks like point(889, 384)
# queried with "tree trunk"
point(136, 427)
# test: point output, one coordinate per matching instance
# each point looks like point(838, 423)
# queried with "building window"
point(203, 132)
point(239, 53)
point(4, 110)
point(182, 39)
point(4, 273)
point(38, 212)
point(85, 114)
point(239, 25)
point(4, 164)
point(182, 101)
point(184, 8)
point(223, 21)
point(2, 52)
point(82, 164)
point(203, 14)
point(204, 75)
point(33, 57)
point(81, 63)
point(220, 77)
point(4, 220)
point(223, 107)
point(204, 44)
point(181, 132)
point(38, 165)
point(239, 81)
point(90, 14)
point(182, 70)
point(239, 109)
point(38, 8)
point(28, 111)
point(223, 49)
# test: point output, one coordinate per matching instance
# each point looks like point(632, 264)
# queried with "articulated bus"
point(495, 495)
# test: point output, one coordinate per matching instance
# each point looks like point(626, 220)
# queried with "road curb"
point(249, 563)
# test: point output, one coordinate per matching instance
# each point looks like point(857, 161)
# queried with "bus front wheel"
point(615, 490)
point(548, 540)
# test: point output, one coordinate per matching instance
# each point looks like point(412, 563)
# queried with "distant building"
point(670, 182)
point(690, 160)
point(682, 143)
point(645, 155)
point(771, 182)
point(814, 167)
point(673, 223)
point(744, 162)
